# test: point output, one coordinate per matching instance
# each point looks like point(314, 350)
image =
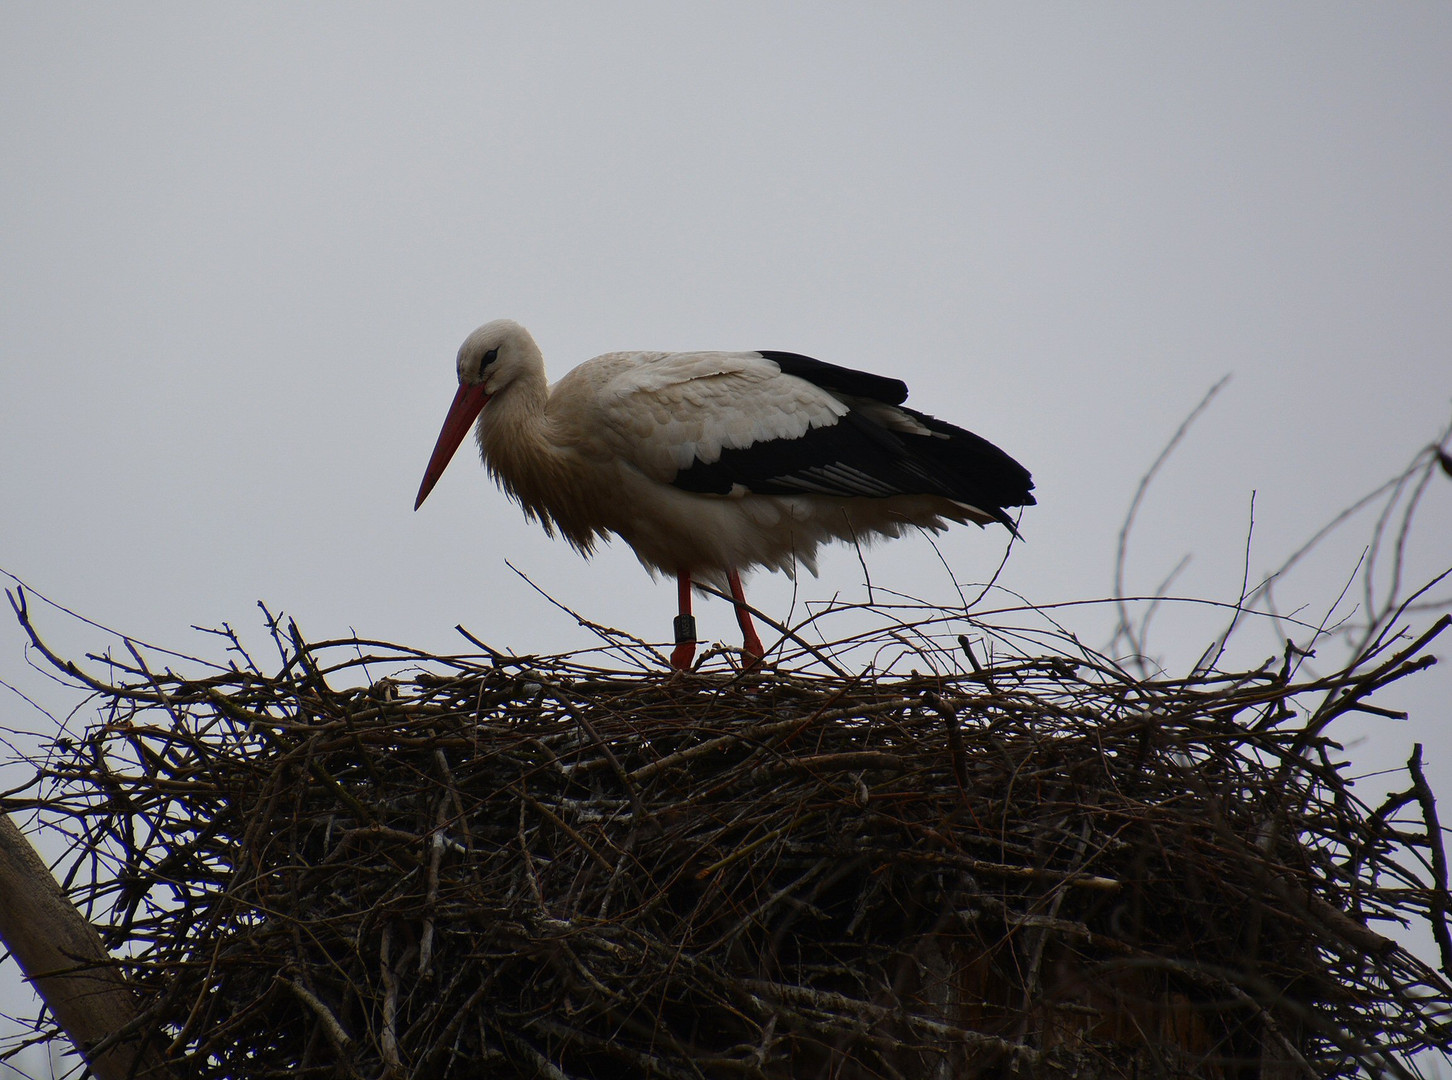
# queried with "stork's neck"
point(512, 432)
point(530, 453)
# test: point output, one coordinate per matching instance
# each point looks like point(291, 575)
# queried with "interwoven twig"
point(503, 867)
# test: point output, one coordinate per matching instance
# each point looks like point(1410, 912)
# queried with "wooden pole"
point(62, 956)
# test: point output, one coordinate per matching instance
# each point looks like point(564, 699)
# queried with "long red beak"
point(468, 403)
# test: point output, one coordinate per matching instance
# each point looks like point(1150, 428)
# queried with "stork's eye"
point(489, 358)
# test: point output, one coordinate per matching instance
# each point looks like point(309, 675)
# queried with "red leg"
point(685, 626)
point(750, 643)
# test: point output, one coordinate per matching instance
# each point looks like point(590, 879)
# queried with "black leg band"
point(685, 629)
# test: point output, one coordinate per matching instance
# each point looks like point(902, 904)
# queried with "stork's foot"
point(751, 650)
point(750, 643)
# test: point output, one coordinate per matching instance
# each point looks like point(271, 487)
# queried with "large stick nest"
point(489, 866)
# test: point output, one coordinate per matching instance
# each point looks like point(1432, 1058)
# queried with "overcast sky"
point(241, 246)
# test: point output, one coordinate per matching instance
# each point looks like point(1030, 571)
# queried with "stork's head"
point(495, 355)
point(491, 358)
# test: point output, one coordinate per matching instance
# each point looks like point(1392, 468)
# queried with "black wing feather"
point(840, 380)
point(859, 457)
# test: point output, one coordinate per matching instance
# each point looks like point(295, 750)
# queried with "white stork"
point(710, 463)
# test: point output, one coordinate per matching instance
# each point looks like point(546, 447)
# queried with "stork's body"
point(709, 463)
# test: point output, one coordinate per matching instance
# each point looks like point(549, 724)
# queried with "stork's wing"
point(666, 412)
point(781, 424)
point(840, 380)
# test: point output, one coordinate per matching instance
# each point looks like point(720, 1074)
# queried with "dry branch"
point(64, 960)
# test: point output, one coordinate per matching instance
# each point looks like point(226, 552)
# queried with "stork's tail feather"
point(975, 473)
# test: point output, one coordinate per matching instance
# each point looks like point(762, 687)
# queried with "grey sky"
point(241, 245)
